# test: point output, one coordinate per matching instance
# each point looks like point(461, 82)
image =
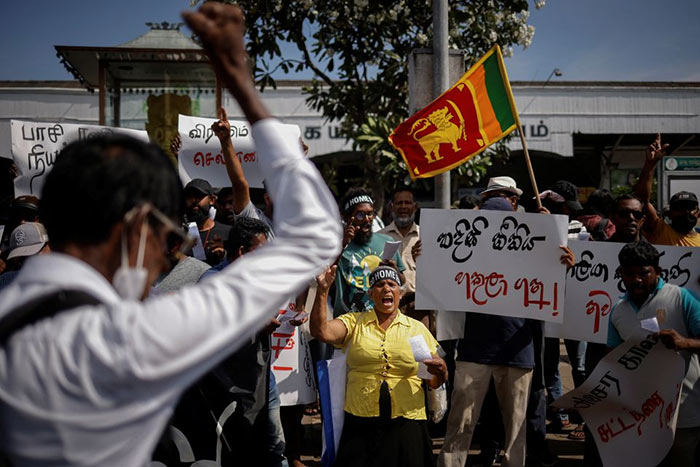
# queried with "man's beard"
point(405, 221)
point(197, 215)
point(684, 223)
point(361, 237)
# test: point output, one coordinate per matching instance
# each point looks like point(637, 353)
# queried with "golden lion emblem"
point(447, 132)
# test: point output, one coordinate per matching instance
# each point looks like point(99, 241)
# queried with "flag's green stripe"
point(497, 93)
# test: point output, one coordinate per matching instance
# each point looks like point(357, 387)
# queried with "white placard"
point(630, 402)
point(593, 286)
point(200, 152)
point(35, 146)
point(291, 362)
point(493, 262)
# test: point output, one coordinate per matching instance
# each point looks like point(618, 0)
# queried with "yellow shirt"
point(375, 356)
point(664, 234)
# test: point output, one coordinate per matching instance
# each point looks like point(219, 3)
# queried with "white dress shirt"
point(96, 385)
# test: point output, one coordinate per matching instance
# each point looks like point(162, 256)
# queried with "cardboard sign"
point(493, 262)
point(291, 363)
point(200, 154)
point(35, 146)
point(594, 285)
point(630, 402)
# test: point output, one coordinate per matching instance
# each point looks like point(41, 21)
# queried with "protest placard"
point(492, 262)
point(291, 362)
point(200, 151)
point(630, 402)
point(594, 285)
point(35, 146)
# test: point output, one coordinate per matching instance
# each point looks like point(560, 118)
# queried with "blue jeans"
point(275, 434)
point(552, 378)
point(577, 356)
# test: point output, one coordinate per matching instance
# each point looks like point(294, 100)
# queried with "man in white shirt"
point(96, 384)
point(405, 230)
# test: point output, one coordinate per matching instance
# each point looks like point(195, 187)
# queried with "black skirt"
point(383, 441)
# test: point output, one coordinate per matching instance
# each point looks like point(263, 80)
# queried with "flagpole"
point(441, 82)
point(529, 165)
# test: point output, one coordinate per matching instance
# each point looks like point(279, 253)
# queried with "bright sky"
point(629, 40)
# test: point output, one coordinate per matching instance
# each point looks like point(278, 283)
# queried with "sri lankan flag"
point(476, 112)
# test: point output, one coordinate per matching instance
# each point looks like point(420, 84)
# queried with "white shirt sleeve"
point(171, 340)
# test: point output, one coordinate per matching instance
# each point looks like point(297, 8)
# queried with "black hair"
point(406, 188)
point(225, 191)
point(625, 197)
point(96, 181)
point(640, 253)
point(600, 202)
point(243, 231)
point(469, 202)
point(351, 193)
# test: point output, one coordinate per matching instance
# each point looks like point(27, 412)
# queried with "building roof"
point(163, 56)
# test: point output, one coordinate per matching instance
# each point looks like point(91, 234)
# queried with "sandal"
point(312, 410)
point(578, 434)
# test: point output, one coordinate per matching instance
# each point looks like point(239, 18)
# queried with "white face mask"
point(128, 281)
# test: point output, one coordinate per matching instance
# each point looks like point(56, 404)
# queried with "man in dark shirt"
point(498, 348)
point(199, 198)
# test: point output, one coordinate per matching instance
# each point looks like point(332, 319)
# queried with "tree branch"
point(301, 44)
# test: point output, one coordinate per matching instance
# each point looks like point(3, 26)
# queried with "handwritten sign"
point(594, 285)
point(35, 146)
point(291, 363)
point(492, 262)
point(201, 157)
point(630, 402)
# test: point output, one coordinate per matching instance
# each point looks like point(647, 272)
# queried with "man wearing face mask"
point(683, 212)
point(90, 374)
point(199, 199)
point(405, 230)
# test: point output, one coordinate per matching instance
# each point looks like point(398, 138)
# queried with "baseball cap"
point(569, 192)
point(27, 239)
point(683, 197)
point(200, 185)
point(502, 184)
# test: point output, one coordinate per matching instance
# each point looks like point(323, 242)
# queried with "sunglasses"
point(626, 212)
point(362, 215)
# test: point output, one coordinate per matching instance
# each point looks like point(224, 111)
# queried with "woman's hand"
point(326, 279)
point(436, 366)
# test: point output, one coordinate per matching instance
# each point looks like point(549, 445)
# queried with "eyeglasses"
point(362, 215)
point(175, 234)
point(626, 213)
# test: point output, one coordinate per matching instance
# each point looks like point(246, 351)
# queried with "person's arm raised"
point(241, 188)
point(654, 153)
point(221, 28)
point(333, 331)
point(169, 341)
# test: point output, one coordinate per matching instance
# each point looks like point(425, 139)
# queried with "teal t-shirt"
point(352, 278)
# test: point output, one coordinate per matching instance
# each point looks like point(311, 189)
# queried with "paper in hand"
point(390, 249)
point(651, 325)
point(421, 352)
point(198, 248)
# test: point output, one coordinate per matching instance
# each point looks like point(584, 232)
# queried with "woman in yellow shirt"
point(385, 416)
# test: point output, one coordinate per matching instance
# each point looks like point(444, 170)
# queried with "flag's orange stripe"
point(489, 122)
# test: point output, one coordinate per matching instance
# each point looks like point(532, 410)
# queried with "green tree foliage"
point(358, 52)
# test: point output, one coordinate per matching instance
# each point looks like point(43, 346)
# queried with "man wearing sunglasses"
point(362, 253)
point(683, 208)
point(96, 383)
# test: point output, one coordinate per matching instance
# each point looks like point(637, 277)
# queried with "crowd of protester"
point(185, 375)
